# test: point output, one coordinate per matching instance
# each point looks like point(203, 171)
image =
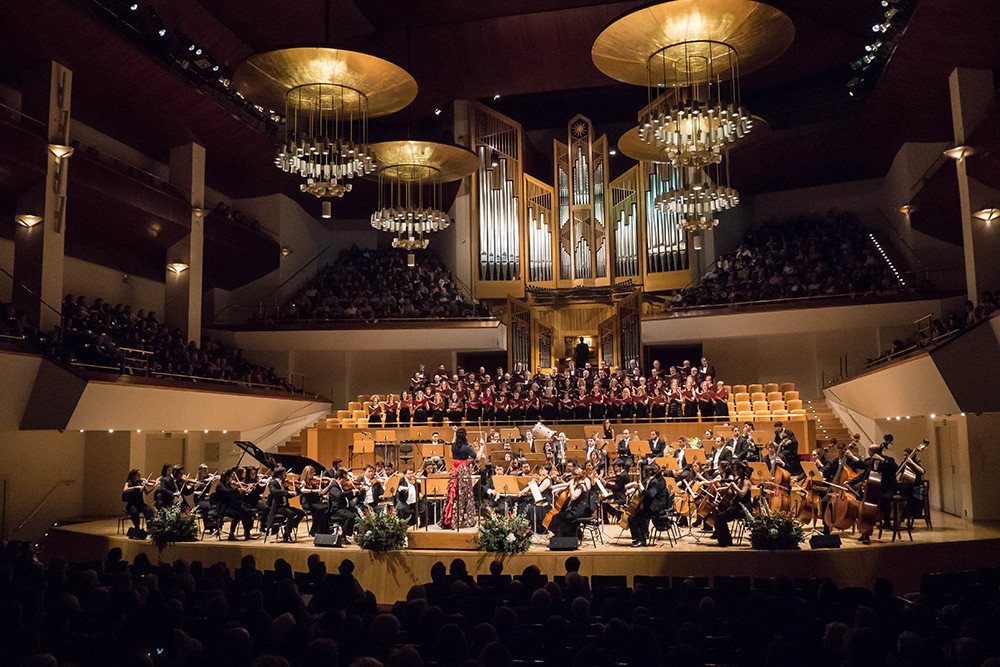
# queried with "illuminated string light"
point(878, 246)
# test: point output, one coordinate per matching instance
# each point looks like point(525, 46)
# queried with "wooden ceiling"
point(534, 53)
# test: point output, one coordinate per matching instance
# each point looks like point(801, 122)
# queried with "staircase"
point(297, 443)
point(828, 424)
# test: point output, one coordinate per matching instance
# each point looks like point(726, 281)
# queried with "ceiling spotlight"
point(134, 6)
point(197, 52)
point(185, 430)
point(206, 430)
point(612, 152)
point(225, 432)
point(959, 152)
point(162, 32)
point(437, 112)
point(138, 430)
point(111, 430)
point(933, 416)
point(497, 96)
point(177, 267)
point(987, 215)
point(60, 151)
point(897, 418)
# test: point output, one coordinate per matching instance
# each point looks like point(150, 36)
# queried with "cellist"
point(835, 470)
point(878, 461)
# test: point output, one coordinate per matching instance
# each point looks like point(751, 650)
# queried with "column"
point(185, 258)
point(40, 212)
point(971, 97)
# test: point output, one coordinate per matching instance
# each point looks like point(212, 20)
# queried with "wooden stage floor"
point(952, 545)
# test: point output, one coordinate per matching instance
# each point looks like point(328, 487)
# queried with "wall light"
point(933, 416)
point(200, 212)
point(987, 215)
point(959, 152)
point(60, 151)
point(28, 220)
point(907, 209)
point(177, 267)
point(286, 251)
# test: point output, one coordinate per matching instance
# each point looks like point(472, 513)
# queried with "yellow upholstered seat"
point(758, 396)
point(744, 406)
point(787, 386)
point(742, 397)
point(776, 405)
point(791, 396)
point(774, 396)
point(770, 386)
point(755, 388)
point(794, 405)
point(739, 389)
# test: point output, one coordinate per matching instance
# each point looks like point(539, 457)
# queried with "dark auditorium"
point(571, 333)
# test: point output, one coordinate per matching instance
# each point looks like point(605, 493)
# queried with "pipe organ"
point(580, 231)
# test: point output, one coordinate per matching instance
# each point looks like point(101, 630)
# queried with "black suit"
point(279, 507)
point(790, 452)
point(404, 509)
point(165, 492)
point(657, 448)
point(725, 458)
point(655, 502)
point(340, 508)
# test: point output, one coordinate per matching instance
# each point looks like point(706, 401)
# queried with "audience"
point(365, 284)
point(115, 612)
point(95, 334)
point(806, 257)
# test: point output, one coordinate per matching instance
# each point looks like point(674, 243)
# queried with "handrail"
point(62, 482)
point(804, 299)
point(26, 289)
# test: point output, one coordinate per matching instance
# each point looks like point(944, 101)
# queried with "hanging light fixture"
point(689, 54)
point(328, 95)
point(692, 193)
point(410, 179)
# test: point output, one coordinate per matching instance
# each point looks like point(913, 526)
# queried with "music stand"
point(362, 446)
point(421, 433)
point(667, 463)
point(435, 488)
point(695, 455)
point(812, 473)
point(386, 438)
point(510, 434)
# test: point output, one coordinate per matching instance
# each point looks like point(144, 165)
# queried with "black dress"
point(564, 524)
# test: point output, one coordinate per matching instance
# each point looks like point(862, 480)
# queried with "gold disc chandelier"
point(328, 96)
point(689, 54)
point(411, 175)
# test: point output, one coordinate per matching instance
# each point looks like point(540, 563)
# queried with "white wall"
point(860, 197)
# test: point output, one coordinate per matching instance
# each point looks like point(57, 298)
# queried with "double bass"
point(842, 511)
point(871, 495)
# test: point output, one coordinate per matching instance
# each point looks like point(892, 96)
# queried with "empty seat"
point(778, 415)
point(354, 405)
point(760, 406)
point(744, 406)
point(739, 389)
point(794, 405)
point(791, 396)
point(755, 388)
point(776, 405)
point(758, 396)
point(729, 390)
point(787, 386)
point(359, 414)
point(797, 416)
point(364, 406)
point(343, 414)
point(742, 397)
point(774, 396)
point(332, 422)
point(347, 423)
point(770, 386)
point(363, 423)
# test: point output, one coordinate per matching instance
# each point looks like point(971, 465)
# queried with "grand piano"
point(293, 463)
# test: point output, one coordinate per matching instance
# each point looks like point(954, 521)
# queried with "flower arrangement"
point(172, 524)
point(775, 530)
point(379, 529)
point(504, 532)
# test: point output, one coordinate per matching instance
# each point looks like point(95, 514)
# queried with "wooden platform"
point(444, 540)
point(954, 544)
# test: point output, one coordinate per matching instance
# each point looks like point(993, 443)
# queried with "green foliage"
point(775, 530)
point(504, 532)
point(176, 523)
point(380, 529)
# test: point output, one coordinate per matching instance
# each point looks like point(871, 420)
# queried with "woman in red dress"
point(460, 510)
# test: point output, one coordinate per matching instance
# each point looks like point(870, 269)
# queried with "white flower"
point(511, 538)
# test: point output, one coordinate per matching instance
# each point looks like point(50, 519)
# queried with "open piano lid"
point(293, 463)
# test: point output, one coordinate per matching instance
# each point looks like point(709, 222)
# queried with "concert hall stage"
point(953, 545)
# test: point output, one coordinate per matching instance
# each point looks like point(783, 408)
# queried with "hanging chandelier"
point(690, 54)
point(411, 175)
point(328, 97)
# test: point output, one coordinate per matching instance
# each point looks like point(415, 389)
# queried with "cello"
point(842, 511)
point(870, 497)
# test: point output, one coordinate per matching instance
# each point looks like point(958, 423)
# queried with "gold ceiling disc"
point(265, 78)
point(415, 160)
point(626, 49)
point(632, 146)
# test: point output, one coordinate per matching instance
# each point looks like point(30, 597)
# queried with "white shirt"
point(411, 493)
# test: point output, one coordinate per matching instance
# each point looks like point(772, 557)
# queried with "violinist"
point(369, 488)
point(545, 481)
point(166, 488)
point(278, 496)
point(407, 497)
point(339, 502)
point(313, 490)
point(200, 491)
point(733, 500)
point(656, 500)
point(226, 499)
point(132, 495)
point(617, 485)
point(252, 490)
point(748, 451)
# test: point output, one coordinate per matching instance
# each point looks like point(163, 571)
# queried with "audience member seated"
point(96, 333)
point(808, 257)
point(365, 284)
point(180, 613)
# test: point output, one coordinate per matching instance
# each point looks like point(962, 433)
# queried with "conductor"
point(581, 353)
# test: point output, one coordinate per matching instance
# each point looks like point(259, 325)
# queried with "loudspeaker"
point(332, 539)
point(563, 543)
point(824, 542)
point(136, 533)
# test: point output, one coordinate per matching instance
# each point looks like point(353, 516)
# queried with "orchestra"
point(557, 482)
